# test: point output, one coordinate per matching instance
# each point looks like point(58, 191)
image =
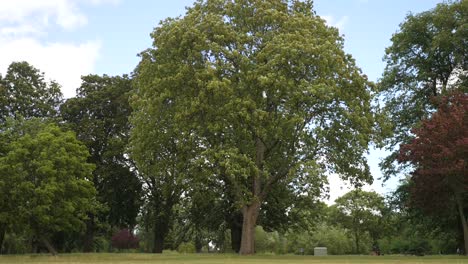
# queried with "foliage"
point(266, 242)
point(439, 156)
point(337, 240)
point(124, 239)
point(361, 212)
point(46, 177)
point(24, 92)
point(186, 247)
point(257, 100)
point(99, 115)
point(427, 58)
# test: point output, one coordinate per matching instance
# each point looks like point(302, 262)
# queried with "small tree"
point(439, 154)
point(361, 212)
point(44, 174)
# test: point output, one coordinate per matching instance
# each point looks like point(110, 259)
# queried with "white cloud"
point(338, 23)
point(24, 25)
point(62, 62)
point(64, 13)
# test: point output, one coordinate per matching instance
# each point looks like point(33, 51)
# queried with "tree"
point(439, 155)
point(427, 58)
point(163, 157)
point(99, 115)
point(45, 181)
point(24, 92)
point(264, 94)
point(361, 212)
point(413, 228)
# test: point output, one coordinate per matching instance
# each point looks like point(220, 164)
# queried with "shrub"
point(336, 239)
point(124, 239)
point(187, 247)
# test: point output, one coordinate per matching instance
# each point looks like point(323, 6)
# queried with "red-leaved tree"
point(124, 239)
point(439, 154)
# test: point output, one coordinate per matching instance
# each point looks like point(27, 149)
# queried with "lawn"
point(221, 258)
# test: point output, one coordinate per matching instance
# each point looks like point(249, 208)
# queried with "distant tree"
point(428, 58)
point(439, 156)
point(24, 92)
point(99, 115)
point(45, 182)
point(259, 93)
point(412, 226)
point(163, 157)
point(361, 212)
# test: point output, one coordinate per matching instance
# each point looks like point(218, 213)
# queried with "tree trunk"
point(49, 246)
point(250, 215)
point(357, 241)
point(88, 242)
point(2, 236)
point(236, 235)
point(236, 231)
point(158, 242)
point(463, 222)
point(198, 242)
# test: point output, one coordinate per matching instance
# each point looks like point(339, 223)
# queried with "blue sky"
point(70, 38)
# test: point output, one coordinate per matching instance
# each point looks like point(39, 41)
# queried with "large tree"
point(45, 182)
point(439, 155)
point(264, 94)
point(428, 58)
point(99, 115)
point(25, 92)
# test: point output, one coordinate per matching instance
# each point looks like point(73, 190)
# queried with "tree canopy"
point(361, 212)
point(45, 184)
point(262, 91)
point(99, 115)
point(25, 92)
point(427, 59)
point(439, 154)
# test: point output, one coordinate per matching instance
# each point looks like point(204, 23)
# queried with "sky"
point(70, 38)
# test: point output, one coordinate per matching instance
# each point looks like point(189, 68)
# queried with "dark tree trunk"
point(236, 235)
point(356, 234)
point(88, 242)
point(49, 246)
point(198, 243)
point(463, 222)
point(158, 242)
point(2, 236)
point(236, 231)
point(250, 215)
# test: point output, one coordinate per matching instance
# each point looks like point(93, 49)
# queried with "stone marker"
point(320, 251)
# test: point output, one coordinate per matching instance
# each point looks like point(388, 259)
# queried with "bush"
point(124, 239)
point(15, 244)
point(101, 244)
point(269, 242)
point(335, 239)
point(187, 247)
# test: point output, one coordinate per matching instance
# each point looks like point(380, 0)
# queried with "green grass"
point(221, 258)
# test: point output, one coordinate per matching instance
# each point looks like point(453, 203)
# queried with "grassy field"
point(219, 258)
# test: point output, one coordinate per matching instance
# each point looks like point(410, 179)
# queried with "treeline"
point(223, 136)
